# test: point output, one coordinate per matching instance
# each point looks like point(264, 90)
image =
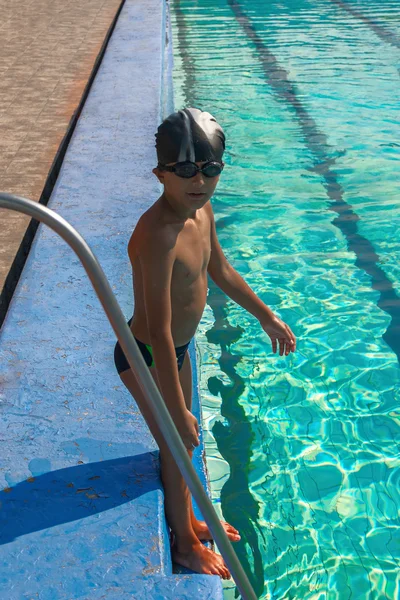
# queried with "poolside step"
point(93, 525)
point(96, 530)
point(190, 587)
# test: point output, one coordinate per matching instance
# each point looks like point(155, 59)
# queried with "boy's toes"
point(223, 569)
point(232, 532)
point(226, 574)
point(232, 529)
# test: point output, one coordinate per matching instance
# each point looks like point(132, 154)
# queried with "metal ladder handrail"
point(136, 361)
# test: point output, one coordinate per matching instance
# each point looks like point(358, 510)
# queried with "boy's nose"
point(198, 177)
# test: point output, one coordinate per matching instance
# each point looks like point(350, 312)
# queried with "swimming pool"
point(303, 452)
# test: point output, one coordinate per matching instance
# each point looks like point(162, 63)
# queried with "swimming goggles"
point(189, 169)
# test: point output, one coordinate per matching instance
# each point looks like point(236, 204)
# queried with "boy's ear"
point(159, 174)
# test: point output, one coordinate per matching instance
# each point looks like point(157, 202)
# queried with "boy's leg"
point(200, 527)
point(187, 550)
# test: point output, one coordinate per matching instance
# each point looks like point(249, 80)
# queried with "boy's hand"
point(279, 331)
point(188, 429)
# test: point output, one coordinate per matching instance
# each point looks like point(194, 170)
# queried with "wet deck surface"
point(47, 52)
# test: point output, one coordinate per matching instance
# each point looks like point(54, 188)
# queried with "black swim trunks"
point(122, 364)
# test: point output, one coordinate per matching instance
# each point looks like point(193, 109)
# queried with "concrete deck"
point(81, 506)
point(48, 49)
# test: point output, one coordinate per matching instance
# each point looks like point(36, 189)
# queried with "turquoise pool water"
point(303, 451)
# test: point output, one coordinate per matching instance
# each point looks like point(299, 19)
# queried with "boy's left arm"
point(234, 286)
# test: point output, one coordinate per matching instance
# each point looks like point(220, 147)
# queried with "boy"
point(172, 248)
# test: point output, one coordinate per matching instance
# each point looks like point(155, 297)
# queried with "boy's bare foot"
point(203, 533)
point(200, 559)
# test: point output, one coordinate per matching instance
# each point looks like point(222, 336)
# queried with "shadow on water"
point(234, 439)
point(74, 493)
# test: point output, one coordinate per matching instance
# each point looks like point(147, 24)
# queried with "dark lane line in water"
point(235, 438)
point(383, 33)
point(316, 141)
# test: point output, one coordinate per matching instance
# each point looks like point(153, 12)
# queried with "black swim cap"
point(189, 134)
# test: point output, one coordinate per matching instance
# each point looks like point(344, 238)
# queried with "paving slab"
point(48, 49)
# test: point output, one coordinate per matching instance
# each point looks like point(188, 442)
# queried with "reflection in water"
point(234, 440)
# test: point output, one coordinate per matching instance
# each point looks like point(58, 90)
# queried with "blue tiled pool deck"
point(81, 506)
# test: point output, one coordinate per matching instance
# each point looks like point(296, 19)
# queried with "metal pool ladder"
point(142, 374)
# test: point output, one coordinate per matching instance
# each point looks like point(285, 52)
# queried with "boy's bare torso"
point(189, 274)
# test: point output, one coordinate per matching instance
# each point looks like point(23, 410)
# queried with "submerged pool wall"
point(81, 506)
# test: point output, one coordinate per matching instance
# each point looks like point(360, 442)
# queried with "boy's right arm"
point(157, 257)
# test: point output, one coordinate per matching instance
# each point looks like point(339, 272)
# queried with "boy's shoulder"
point(151, 230)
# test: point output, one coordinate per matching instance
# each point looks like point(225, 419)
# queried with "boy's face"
point(181, 189)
